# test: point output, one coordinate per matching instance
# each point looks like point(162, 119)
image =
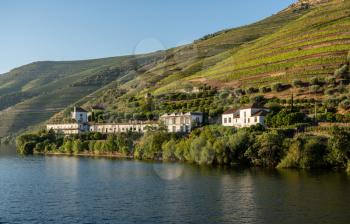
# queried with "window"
point(229, 120)
point(174, 120)
point(255, 119)
point(248, 120)
point(225, 120)
point(174, 128)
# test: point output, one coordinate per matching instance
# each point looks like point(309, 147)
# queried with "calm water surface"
point(39, 189)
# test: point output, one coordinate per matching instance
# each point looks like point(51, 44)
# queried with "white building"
point(122, 128)
point(182, 122)
point(80, 115)
point(78, 124)
point(68, 128)
point(244, 117)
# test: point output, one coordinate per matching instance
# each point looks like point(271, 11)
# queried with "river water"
point(37, 189)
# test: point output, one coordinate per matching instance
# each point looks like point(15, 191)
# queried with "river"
point(58, 189)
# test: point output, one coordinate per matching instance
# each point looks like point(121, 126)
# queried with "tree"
point(339, 147)
point(238, 143)
point(298, 83)
point(342, 72)
point(77, 146)
point(27, 148)
point(182, 150)
point(207, 154)
point(345, 104)
point(169, 149)
point(221, 152)
point(196, 147)
point(277, 87)
point(265, 89)
point(150, 145)
point(67, 146)
point(267, 149)
point(313, 152)
point(292, 158)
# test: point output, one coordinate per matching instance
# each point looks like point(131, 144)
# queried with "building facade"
point(68, 128)
point(122, 128)
point(79, 115)
point(244, 117)
point(175, 122)
point(182, 122)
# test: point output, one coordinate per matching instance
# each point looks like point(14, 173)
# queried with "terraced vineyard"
point(315, 44)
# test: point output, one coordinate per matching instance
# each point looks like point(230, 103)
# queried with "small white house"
point(80, 115)
point(182, 122)
point(244, 117)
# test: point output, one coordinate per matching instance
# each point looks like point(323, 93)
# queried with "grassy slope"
point(183, 62)
point(257, 54)
point(314, 44)
point(39, 90)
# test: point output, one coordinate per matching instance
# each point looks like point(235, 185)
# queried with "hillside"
point(309, 38)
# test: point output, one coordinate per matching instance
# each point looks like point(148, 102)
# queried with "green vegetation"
point(32, 94)
point(210, 145)
point(89, 144)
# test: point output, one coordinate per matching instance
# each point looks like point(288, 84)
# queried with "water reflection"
point(53, 189)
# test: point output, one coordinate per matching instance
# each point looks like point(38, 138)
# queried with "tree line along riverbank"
point(209, 145)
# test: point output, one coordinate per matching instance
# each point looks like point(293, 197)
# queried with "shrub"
point(330, 80)
point(329, 92)
point(277, 87)
point(238, 92)
point(313, 153)
point(345, 104)
point(339, 147)
point(257, 99)
point(182, 150)
point(305, 152)
point(266, 150)
point(238, 144)
point(224, 95)
point(168, 150)
point(285, 118)
point(251, 90)
point(265, 89)
point(316, 81)
point(297, 83)
point(342, 72)
point(291, 160)
point(150, 145)
point(27, 148)
point(315, 88)
point(207, 154)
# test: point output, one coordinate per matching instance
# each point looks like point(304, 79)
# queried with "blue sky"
point(39, 30)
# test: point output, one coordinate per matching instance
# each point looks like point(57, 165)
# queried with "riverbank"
point(211, 145)
point(86, 154)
